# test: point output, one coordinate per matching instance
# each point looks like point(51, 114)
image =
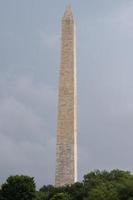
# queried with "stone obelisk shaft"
point(66, 147)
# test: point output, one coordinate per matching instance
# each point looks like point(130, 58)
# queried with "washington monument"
point(66, 146)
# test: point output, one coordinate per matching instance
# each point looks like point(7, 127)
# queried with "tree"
point(18, 188)
point(103, 192)
point(50, 191)
point(97, 185)
point(76, 191)
point(61, 196)
point(41, 196)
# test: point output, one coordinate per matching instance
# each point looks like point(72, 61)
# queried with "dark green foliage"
point(18, 188)
point(41, 196)
point(76, 191)
point(96, 185)
point(50, 191)
point(103, 192)
point(114, 185)
point(61, 196)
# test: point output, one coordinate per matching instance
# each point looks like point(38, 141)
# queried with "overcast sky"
point(29, 72)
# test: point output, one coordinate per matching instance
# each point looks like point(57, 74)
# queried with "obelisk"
point(66, 146)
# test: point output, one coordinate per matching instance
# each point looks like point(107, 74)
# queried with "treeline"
point(96, 185)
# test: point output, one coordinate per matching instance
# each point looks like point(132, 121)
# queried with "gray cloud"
point(25, 137)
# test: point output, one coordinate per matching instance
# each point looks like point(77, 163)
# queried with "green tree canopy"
point(96, 185)
point(41, 196)
point(18, 188)
point(103, 192)
point(61, 196)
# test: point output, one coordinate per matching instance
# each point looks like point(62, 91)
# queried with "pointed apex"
point(69, 7)
point(68, 13)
